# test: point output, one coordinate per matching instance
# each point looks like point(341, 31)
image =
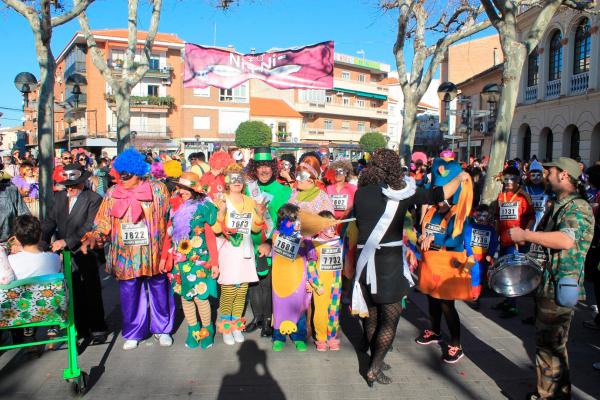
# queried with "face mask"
point(303, 176)
point(71, 175)
point(340, 172)
point(234, 178)
point(286, 165)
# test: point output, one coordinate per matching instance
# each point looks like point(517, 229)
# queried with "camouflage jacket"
point(573, 216)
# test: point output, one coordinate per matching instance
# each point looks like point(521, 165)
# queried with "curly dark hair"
point(253, 165)
point(384, 168)
point(308, 154)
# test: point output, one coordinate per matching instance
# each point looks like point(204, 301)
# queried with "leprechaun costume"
point(263, 187)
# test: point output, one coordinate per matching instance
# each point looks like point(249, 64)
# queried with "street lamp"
point(197, 137)
point(447, 91)
point(133, 134)
point(466, 125)
point(76, 81)
point(490, 94)
point(69, 118)
point(25, 82)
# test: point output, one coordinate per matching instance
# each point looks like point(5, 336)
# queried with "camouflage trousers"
point(551, 359)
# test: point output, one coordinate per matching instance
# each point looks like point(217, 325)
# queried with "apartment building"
point(558, 107)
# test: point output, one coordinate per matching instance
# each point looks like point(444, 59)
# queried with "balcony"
point(332, 134)
point(360, 86)
point(579, 83)
point(553, 89)
point(148, 132)
point(162, 72)
point(151, 102)
point(531, 94)
point(77, 67)
point(335, 109)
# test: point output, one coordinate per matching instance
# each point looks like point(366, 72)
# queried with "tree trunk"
point(122, 98)
point(409, 128)
point(514, 59)
point(45, 119)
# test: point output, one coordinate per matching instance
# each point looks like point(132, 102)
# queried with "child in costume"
point(327, 293)
point(536, 189)
point(194, 254)
point(446, 273)
point(239, 216)
point(292, 257)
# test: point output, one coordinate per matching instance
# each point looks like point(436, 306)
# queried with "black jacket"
point(71, 226)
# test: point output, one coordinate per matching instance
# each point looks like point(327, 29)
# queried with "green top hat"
point(262, 154)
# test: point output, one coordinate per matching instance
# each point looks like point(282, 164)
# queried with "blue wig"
point(133, 162)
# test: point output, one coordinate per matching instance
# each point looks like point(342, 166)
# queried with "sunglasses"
point(71, 175)
point(82, 159)
point(67, 158)
point(125, 176)
point(303, 176)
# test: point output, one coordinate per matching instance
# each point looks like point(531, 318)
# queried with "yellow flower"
point(184, 246)
point(196, 241)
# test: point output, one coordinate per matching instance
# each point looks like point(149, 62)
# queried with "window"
point(375, 104)
point(360, 103)
point(361, 78)
point(236, 95)
point(555, 65)
point(201, 122)
point(361, 126)
point(281, 127)
point(313, 96)
point(345, 124)
point(582, 54)
point(346, 101)
point(345, 75)
point(328, 124)
point(199, 92)
point(153, 90)
point(532, 68)
point(154, 63)
point(328, 99)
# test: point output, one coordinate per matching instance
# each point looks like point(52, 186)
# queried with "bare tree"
point(504, 15)
point(39, 15)
point(416, 19)
point(131, 74)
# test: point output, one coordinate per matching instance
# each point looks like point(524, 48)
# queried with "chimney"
point(495, 56)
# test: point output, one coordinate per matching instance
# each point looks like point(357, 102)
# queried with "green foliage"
point(372, 141)
point(253, 134)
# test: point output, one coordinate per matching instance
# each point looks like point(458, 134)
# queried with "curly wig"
point(253, 165)
point(172, 168)
point(132, 162)
point(385, 168)
point(157, 170)
point(220, 159)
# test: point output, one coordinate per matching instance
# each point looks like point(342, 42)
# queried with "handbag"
point(439, 278)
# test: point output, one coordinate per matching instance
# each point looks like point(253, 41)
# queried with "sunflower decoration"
point(196, 242)
point(184, 246)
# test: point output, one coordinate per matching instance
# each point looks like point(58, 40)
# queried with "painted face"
point(129, 181)
point(286, 165)
point(536, 176)
point(510, 182)
point(481, 217)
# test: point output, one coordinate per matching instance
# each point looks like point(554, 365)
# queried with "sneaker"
point(591, 324)
point(428, 337)
point(334, 344)
point(238, 336)
point(453, 354)
point(321, 346)
point(130, 344)
point(300, 346)
point(164, 339)
point(278, 345)
point(228, 339)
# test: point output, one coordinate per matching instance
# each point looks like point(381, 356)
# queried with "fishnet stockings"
point(380, 328)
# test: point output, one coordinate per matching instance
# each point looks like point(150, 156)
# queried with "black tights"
point(436, 308)
point(380, 329)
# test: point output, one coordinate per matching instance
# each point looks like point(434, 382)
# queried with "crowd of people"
point(295, 239)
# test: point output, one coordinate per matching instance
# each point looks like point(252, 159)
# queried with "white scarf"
point(367, 255)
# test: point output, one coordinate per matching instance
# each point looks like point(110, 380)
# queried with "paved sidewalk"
point(497, 366)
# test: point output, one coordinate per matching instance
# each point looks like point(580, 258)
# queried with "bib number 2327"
point(134, 234)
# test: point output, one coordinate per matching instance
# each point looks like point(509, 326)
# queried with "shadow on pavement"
point(352, 327)
point(253, 379)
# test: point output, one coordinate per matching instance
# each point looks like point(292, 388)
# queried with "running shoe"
point(453, 354)
point(428, 337)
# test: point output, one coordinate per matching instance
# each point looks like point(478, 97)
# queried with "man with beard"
point(264, 188)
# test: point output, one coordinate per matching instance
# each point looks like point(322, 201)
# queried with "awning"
point(362, 94)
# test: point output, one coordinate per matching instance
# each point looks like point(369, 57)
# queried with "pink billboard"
point(309, 67)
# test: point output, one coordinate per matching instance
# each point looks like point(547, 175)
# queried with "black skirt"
point(392, 286)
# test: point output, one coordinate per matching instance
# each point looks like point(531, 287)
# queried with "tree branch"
point(78, 8)
point(147, 50)
point(490, 10)
point(26, 11)
point(97, 57)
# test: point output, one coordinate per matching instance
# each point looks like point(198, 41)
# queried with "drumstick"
point(341, 221)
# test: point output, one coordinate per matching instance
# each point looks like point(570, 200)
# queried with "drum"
point(515, 275)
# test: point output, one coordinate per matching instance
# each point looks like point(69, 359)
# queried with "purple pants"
point(139, 321)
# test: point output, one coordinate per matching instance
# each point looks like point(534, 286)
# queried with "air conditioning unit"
point(294, 140)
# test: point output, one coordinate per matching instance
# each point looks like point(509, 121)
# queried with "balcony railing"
point(553, 89)
point(579, 83)
point(338, 109)
point(77, 66)
point(152, 101)
point(153, 71)
point(531, 94)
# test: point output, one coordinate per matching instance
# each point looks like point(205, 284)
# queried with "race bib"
point(480, 238)
point(538, 252)
point(340, 202)
point(134, 234)
point(432, 229)
point(242, 222)
point(331, 259)
point(287, 246)
point(539, 203)
point(509, 211)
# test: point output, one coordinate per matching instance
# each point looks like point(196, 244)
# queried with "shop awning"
point(362, 94)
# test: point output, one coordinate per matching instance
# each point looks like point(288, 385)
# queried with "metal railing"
point(531, 93)
point(553, 89)
point(579, 83)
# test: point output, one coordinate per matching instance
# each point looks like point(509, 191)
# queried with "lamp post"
point(197, 137)
point(447, 91)
point(25, 82)
point(466, 125)
point(490, 94)
point(69, 118)
point(133, 134)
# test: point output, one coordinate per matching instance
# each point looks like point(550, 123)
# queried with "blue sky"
point(259, 24)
